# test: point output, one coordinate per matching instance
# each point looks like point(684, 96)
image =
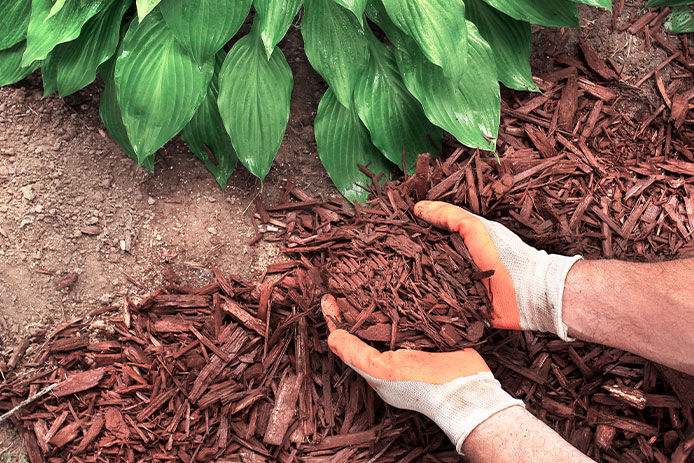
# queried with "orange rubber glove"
point(454, 389)
point(527, 286)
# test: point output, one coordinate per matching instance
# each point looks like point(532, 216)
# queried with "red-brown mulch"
point(239, 371)
point(398, 281)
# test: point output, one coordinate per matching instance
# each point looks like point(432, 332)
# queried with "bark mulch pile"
point(240, 372)
point(398, 281)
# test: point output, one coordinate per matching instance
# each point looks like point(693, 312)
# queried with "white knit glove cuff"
point(538, 280)
point(457, 407)
point(539, 296)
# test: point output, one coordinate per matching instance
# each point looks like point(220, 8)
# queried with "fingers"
point(484, 253)
point(471, 229)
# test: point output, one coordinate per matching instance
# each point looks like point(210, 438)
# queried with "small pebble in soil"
point(28, 193)
point(150, 201)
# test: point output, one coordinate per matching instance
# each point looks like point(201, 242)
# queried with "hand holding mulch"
point(458, 392)
point(527, 285)
point(454, 389)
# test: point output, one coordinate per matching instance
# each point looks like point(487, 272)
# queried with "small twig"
point(26, 402)
point(257, 195)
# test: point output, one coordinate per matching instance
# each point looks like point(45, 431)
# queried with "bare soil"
point(626, 49)
point(62, 175)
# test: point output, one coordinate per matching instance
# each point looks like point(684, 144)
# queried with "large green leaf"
point(144, 7)
point(11, 69)
point(55, 9)
point(273, 19)
point(110, 113)
point(335, 45)
point(511, 44)
point(555, 13)
point(393, 116)
point(14, 19)
point(376, 12)
point(607, 4)
point(470, 111)
point(45, 33)
point(160, 85)
point(355, 6)
point(254, 97)
point(680, 20)
point(343, 143)
point(652, 3)
point(206, 130)
point(438, 28)
point(77, 61)
point(49, 75)
point(204, 26)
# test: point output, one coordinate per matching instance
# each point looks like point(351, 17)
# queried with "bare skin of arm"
point(514, 435)
point(645, 309)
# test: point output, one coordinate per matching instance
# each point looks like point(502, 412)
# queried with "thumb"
point(356, 353)
point(445, 215)
point(331, 312)
point(351, 350)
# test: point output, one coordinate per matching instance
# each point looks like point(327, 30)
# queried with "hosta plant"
point(681, 18)
point(399, 72)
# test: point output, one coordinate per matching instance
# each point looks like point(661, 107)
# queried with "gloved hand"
point(455, 389)
point(527, 286)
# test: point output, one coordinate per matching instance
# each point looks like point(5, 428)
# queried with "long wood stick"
point(26, 402)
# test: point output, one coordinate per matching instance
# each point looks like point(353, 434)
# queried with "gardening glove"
point(527, 286)
point(454, 389)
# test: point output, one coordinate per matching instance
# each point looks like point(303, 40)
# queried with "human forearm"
point(514, 435)
point(643, 308)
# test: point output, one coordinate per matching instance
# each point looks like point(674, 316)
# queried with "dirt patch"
point(630, 53)
point(71, 201)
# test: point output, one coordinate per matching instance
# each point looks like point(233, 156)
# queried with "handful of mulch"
point(398, 280)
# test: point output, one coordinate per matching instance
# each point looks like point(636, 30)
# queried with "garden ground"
point(81, 227)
